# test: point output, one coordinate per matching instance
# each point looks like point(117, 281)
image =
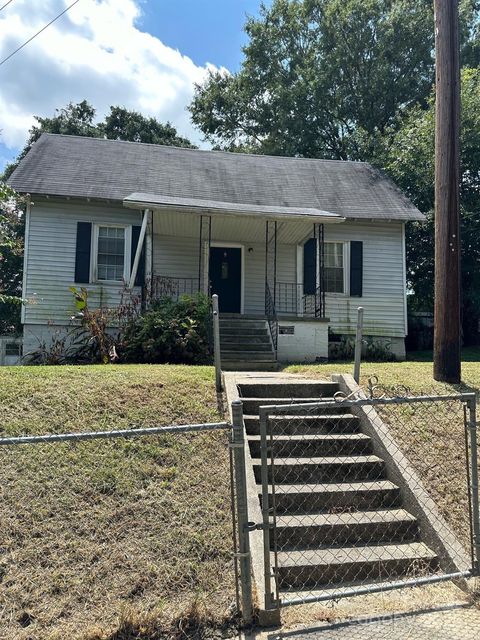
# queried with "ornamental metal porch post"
point(318, 234)
point(205, 239)
point(270, 262)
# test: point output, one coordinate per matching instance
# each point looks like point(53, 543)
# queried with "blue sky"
point(204, 30)
point(143, 54)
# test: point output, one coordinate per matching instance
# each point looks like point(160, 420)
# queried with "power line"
point(38, 32)
point(6, 4)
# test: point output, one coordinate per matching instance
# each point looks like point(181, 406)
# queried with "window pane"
point(111, 253)
point(334, 276)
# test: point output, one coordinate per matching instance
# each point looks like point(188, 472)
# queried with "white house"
point(291, 243)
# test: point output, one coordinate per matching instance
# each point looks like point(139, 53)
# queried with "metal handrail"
point(290, 298)
point(173, 287)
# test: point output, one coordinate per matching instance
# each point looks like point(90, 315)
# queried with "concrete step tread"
point(358, 460)
point(357, 555)
point(320, 437)
point(334, 487)
point(347, 519)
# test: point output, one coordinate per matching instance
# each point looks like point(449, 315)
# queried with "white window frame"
point(94, 252)
point(346, 270)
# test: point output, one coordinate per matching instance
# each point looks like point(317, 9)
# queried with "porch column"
point(138, 252)
point(270, 263)
point(205, 239)
point(318, 234)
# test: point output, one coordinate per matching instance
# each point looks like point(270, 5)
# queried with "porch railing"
point(271, 313)
point(173, 287)
point(290, 298)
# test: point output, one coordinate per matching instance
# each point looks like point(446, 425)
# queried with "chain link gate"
point(357, 495)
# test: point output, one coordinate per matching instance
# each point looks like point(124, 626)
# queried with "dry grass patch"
point(127, 538)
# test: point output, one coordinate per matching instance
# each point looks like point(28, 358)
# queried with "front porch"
point(266, 268)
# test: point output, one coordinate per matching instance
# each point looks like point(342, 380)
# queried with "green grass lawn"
point(416, 373)
point(112, 537)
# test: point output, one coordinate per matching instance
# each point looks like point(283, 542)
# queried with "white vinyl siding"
point(50, 263)
point(383, 296)
point(50, 259)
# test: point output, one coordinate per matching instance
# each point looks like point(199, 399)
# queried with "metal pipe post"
point(474, 481)
point(238, 445)
point(358, 345)
point(216, 343)
point(264, 451)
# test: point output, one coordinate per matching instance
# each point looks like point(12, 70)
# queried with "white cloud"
point(95, 51)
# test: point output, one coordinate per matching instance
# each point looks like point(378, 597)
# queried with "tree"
point(12, 228)
point(409, 160)
point(119, 124)
point(324, 78)
point(73, 120)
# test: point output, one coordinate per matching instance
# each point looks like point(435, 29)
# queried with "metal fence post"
point(472, 406)
point(216, 343)
point(238, 442)
point(358, 345)
point(264, 452)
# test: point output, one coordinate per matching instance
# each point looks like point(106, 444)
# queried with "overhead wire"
point(6, 4)
point(38, 32)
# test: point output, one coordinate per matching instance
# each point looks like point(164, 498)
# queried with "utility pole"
point(446, 360)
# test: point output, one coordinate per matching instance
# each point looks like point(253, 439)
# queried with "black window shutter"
point(140, 277)
point(82, 255)
point(356, 268)
point(310, 267)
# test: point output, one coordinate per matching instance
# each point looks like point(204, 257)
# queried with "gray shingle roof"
point(81, 167)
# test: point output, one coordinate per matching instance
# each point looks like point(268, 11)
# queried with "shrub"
point(170, 332)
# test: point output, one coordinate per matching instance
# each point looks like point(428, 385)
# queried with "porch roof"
point(159, 201)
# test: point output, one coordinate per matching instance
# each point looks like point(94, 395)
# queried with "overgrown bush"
point(170, 332)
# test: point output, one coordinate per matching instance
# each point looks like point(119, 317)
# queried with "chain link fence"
point(116, 532)
point(366, 494)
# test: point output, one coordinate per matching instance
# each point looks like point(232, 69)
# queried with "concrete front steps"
point(245, 344)
point(339, 520)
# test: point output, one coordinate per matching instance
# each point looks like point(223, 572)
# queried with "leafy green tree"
point(73, 120)
point(12, 229)
point(324, 78)
point(122, 124)
point(409, 160)
point(119, 124)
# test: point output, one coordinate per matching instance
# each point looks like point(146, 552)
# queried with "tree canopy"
point(12, 228)
point(409, 159)
point(119, 124)
point(324, 78)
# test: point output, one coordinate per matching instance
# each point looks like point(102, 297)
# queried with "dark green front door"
point(226, 277)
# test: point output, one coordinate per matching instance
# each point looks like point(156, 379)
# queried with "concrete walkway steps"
point(315, 567)
point(339, 519)
point(245, 344)
point(312, 424)
point(311, 498)
point(365, 527)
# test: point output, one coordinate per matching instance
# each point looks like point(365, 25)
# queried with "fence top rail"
point(306, 407)
point(116, 433)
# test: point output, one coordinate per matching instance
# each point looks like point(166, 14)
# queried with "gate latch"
point(256, 526)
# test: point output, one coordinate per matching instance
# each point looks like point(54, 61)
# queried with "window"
point(111, 253)
point(334, 267)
